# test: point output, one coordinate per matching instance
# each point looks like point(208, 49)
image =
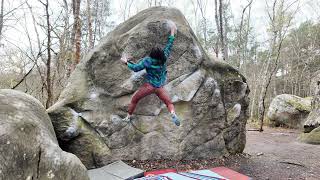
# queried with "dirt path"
point(276, 154)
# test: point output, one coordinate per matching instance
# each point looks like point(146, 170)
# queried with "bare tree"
point(243, 36)
point(221, 21)
point(245, 53)
point(202, 6)
point(226, 29)
point(126, 9)
point(34, 54)
point(89, 24)
point(1, 16)
point(76, 31)
point(280, 20)
point(100, 14)
point(223, 46)
point(218, 27)
point(48, 63)
point(154, 3)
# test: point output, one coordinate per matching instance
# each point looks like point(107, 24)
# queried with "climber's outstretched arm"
point(168, 47)
point(143, 63)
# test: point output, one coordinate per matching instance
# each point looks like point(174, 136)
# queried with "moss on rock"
point(311, 138)
point(300, 105)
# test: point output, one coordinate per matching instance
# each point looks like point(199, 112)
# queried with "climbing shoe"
point(70, 133)
point(175, 119)
point(127, 119)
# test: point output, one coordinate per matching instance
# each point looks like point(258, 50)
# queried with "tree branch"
point(24, 77)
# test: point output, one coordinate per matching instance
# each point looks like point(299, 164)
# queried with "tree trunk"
point(275, 52)
point(66, 48)
point(1, 17)
point(253, 102)
point(261, 106)
point(205, 33)
point(48, 64)
point(75, 40)
point(96, 7)
point(195, 10)
point(275, 92)
point(225, 34)
point(267, 76)
point(266, 82)
point(78, 31)
point(263, 94)
point(89, 25)
point(218, 28)
point(201, 7)
point(74, 27)
point(246, 40)
point(223, 47)
point(239, 50)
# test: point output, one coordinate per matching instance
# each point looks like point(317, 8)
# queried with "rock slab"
point(116, 171)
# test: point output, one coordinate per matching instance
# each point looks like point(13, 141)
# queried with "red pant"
point(147, 89)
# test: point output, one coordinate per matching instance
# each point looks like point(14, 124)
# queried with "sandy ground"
point(273, 154)
point(276, 154)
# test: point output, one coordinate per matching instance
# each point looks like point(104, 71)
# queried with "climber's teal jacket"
point(156, 74)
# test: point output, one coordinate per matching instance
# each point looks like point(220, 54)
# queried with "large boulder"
point(29, 148)
point(313, 120)
point(289, 110)
point(311, 133)
point(210, 96)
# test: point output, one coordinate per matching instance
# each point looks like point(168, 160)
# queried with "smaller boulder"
point(312, 124)
point(29, 148)
point(313, 120)
point(312, 137)
point(289, 111)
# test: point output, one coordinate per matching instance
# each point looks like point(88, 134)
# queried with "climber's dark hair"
point(158, 54)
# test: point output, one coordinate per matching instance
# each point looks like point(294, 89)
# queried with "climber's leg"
point(145, 90)
point(163, 95)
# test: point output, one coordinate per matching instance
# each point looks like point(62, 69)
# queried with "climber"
point(155, 65)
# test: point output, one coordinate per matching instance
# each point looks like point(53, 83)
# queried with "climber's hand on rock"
point(173, 31)
point(172, 26)
point(125, 58)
